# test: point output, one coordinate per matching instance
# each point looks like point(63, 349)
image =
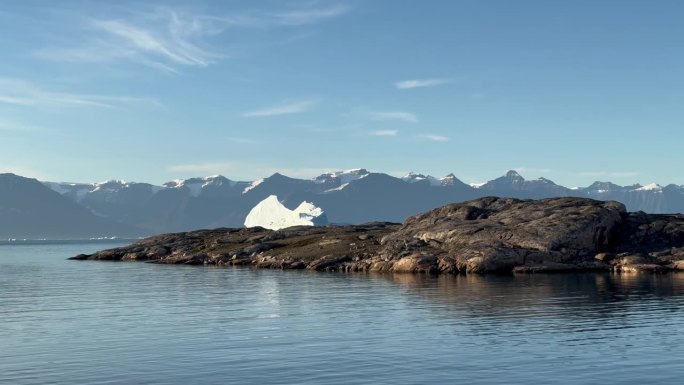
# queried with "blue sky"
point(574, 91)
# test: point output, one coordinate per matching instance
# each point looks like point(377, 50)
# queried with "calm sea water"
point(67, 322)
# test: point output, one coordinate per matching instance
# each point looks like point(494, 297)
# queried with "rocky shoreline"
point(486, 235)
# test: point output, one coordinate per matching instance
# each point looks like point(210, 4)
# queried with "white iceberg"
point(271, 214)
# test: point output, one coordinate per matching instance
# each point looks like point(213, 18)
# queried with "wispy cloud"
point(304, 16)
point(394, 115)
point(384, 133)
point(167, 39)
point(241, 140)
point(23, 93)
point(176, 46)
point(434, 138)
point(419, 83)
point(613, 174)
point(10, 125)
point(270, 19)
point(295, 107)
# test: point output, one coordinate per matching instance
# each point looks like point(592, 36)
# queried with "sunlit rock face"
point(485, 235)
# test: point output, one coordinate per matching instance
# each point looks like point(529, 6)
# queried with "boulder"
point(497, 234)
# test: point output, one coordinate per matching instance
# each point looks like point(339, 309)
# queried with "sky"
point(573, 91)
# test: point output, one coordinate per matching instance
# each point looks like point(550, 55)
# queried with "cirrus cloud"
point(384, 132)
point(295, 107)
point(434, 138)
point(420, 83)
point(167, 38)
point(394, 115)
point(20, 92)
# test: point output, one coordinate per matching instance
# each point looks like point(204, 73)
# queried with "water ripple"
point(66, 322)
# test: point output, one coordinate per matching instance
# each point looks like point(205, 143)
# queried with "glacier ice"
point(271, 214)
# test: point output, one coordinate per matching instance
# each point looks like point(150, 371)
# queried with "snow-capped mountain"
point(348, 196)
point(654, 187)
point(193, 186)
point(79, 191)
point(412, 177)
point(198, 186)
point(29, 209)
point(448, 180)
point(271, 214)
point(338, 180)
point(342, 177)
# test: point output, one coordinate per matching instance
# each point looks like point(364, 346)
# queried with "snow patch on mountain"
point(343, 177)
point(412, 177)
point(176, 183)
point(110, 185)
point(196, 185)
point(271, 214)
point(77, 191)
point(653, 187)
point(449, 180)
point(477, 184)
point(339, 188)
point(252, 185)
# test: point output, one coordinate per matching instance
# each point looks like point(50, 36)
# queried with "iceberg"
point(271, 214)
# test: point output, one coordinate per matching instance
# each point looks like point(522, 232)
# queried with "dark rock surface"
point(480, 236)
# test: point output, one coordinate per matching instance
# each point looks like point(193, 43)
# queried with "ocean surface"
point(69, 322)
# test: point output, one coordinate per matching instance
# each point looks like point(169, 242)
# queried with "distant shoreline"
point(15, 242)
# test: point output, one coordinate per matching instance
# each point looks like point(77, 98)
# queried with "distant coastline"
point(103, 240)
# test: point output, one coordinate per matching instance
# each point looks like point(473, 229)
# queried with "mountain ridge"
point(348, 196)
point(31, 210)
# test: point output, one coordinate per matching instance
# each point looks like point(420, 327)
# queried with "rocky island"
point(486, 235)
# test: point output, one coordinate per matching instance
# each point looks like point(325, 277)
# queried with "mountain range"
point(28, 209)
point(32, 209)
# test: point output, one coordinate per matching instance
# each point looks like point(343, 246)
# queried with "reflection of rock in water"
point(572, 297)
